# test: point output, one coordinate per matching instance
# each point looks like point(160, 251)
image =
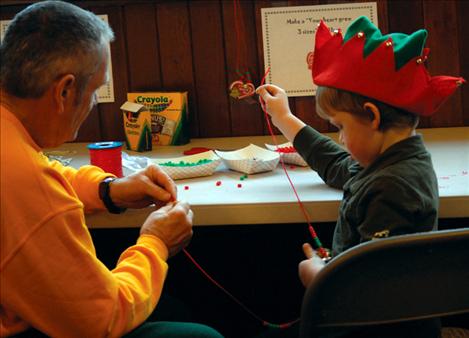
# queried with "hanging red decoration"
point(241, 88)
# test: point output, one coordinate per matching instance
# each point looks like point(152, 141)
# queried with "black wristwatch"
point(106, 197)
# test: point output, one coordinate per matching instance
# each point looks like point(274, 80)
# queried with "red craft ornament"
point(240, 89)
point(387, 68)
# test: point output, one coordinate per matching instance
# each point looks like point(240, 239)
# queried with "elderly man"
point(54, 58)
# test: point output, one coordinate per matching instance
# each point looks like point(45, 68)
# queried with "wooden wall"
point(190, 45)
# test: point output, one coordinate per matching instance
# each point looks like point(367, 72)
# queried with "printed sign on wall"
point(288, 36)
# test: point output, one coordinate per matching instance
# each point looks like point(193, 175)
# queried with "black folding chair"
point(392, 280)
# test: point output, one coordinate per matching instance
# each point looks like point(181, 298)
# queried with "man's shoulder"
point(26, 169)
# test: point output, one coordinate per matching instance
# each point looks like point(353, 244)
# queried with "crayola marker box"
point(169, 116)
point(137, 126)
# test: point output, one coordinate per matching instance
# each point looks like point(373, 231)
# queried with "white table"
point(268, 198)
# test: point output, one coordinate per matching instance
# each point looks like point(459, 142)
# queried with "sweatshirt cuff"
point(155, 243)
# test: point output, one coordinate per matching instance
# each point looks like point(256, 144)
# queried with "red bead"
point(186, 187)
point(239, 185)
point(218, 183)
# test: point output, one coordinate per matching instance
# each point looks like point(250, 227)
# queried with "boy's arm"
point(391, 206)
point(332, 163)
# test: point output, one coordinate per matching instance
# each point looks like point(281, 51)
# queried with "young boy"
point(373, 89)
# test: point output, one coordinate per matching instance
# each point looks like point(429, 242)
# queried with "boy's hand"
point(310, 267)
point(276, 101)
point(276, 105)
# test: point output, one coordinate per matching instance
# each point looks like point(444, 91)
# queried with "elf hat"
point(388, 68)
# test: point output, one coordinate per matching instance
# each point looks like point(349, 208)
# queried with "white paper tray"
point(288, 157)
point(250, 160)
point(182, 170)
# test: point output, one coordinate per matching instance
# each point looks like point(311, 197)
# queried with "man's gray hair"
point(47, 40)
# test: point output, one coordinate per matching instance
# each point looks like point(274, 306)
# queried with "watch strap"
point(105, 196)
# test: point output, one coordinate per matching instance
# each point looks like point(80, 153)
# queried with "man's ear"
point(375, 114)
point(63, 93)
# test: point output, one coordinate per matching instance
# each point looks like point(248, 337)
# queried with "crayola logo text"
point(151, 100)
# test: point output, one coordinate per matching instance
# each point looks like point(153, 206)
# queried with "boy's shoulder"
point(404, 173)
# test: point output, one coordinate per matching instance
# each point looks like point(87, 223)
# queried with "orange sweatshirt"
point(50, 277)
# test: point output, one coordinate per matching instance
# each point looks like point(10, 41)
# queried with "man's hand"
point(148, 186)
point(172, 224)
point(310, 267)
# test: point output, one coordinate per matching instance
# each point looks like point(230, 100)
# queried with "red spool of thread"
point(107, 156)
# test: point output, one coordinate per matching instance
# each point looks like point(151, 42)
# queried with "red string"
point(236, 300)
point(320, 249)
point(237, 32)
point(229, 294)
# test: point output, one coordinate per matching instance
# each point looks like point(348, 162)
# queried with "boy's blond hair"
point(328, 99)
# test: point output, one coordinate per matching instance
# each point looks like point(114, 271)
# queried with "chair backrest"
point(390, 280)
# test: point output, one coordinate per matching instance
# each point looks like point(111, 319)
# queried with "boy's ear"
point(63, 91)
point(374, 113)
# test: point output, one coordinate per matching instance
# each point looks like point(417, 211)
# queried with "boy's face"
point(359, 135)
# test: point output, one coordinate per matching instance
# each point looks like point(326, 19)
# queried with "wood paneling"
point(407, 17)
point(443, 59)
point(143, 47)
point(209, 68)
point(176, 54)
point(241, 57)
point(192, 46)
point(463, 24)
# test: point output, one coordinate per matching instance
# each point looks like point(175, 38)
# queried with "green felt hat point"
point(406, 47)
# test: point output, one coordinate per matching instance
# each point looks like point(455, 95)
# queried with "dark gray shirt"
point(396, 194)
